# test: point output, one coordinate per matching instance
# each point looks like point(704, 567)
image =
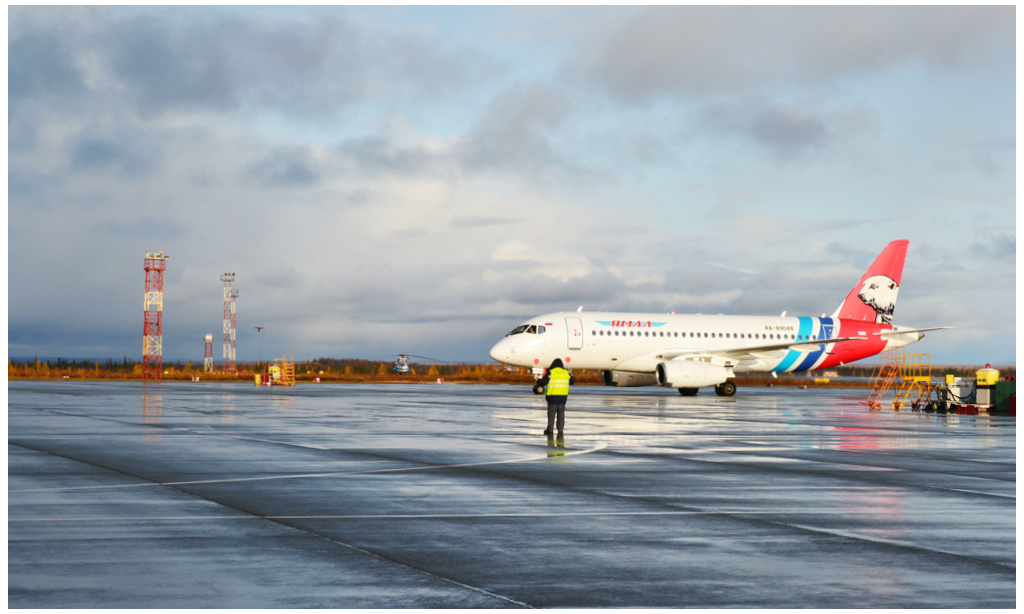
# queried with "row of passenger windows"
point(646, 333)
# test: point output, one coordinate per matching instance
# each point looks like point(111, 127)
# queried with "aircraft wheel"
point(538, 389)
point(688, 392)
point(726, 389)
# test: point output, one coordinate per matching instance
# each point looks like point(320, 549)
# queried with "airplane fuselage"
point(639, 342)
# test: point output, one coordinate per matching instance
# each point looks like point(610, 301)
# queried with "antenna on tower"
point(230, 295)
point(153, 317)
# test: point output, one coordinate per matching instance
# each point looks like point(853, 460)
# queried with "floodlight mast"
point(208, 355)
point(230, 295)
point(153, 317)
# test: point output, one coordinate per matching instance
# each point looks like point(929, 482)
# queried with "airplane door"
point(574, 328)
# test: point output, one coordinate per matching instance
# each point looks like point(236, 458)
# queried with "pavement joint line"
point(732, 461)
point(423, 571)
point(437, 516)
point(894, 542)
point(526, 459)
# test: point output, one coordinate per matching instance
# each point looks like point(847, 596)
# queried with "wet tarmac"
point(214, 495)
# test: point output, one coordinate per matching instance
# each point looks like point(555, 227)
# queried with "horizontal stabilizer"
point(912, 330)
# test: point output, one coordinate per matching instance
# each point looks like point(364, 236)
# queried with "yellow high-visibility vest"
point(558, 383)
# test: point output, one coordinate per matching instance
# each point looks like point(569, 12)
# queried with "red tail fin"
point(874, 298)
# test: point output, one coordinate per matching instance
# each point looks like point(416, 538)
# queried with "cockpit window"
point(540, 330)
point(517, 330)
point(532, 329)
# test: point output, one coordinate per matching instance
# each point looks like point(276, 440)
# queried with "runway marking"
point(527, 459)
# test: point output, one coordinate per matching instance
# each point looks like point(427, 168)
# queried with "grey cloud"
point(40, 63)
point(380, 154)
point(285, 167)
point(407, 234)
point(22, 182)
point(165, 60)
point(546, 292)
point(149, 227)
point(166, 65)
point(513, 133)
point(715, 50)
point(996, 247)
point(477, 221)
point(23, 132)
point(786, 131)
point(129, 154)
point(984, 164)
point(789, 132)
point(277, 277)
point(50, 338)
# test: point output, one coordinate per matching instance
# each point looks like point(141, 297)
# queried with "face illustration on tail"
point(879, 293)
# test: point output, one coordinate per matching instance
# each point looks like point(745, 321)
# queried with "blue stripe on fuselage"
point(806, 326)
point(812, 358)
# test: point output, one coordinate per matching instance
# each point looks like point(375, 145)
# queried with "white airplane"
point(689, 352)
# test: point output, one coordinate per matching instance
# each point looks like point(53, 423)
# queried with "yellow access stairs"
point(908, 376)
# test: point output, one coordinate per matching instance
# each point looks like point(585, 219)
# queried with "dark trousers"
point(556, 408)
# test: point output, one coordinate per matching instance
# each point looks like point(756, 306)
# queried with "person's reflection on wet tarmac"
point(557, 444)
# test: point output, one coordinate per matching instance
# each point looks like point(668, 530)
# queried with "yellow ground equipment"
point(987, 376)
point(987, 380)
point(908, 376)
point(285, 367)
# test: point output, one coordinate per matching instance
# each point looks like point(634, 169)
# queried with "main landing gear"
point(725, 389)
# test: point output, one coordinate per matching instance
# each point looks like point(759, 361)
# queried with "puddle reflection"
point(152, 411)
point(285, 403)
point(228, 414)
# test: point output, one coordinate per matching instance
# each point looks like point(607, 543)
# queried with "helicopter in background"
point(401, 365)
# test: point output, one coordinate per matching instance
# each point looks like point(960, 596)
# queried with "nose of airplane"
point(496, 352)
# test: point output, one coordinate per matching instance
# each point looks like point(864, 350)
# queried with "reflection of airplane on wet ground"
point(692, 351)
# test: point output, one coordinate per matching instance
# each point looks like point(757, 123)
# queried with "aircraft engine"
point(626, 379)
point(689, 374)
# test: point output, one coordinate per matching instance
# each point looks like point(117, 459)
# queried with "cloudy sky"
point(420, 180)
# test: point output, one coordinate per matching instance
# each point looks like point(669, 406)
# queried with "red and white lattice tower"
point(208, 355)
point(153, 317)
point(230, 295)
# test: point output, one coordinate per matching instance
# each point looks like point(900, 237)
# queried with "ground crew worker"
point(556, 384)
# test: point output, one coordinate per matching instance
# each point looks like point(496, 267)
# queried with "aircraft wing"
point(760, 351)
